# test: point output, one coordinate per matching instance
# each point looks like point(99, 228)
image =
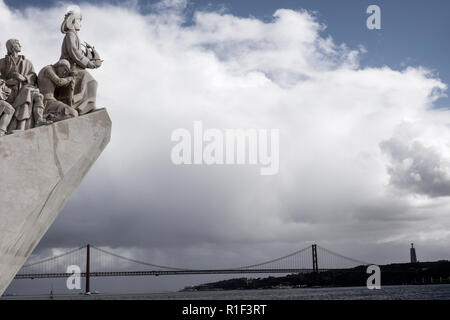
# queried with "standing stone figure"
point(20, 77)
point(50, 78)
point(83, 96)
point(6, 110)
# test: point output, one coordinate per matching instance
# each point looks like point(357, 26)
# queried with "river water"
point(426, 292)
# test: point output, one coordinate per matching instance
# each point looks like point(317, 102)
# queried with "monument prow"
point(39, 170)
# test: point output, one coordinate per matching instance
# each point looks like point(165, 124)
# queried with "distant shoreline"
point(419, 273)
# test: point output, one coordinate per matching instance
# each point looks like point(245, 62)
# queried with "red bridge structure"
point(98, 262)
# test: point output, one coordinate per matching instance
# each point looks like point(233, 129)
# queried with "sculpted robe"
point(84, 96)
point(24, 67)
point(24, 95)
point(4, 91)
point(6, 110)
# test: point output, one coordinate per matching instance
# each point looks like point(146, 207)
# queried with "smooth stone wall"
point(39, 170)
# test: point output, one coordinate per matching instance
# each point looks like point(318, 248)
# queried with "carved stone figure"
point(83, 95)
point(39, 170)
point(50, 78)
point(20, 77)
point(6, 110)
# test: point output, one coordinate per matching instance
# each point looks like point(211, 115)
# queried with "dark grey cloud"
point(416, 168)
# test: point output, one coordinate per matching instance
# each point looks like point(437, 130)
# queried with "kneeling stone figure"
point(50, 78)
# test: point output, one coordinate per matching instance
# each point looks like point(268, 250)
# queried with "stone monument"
point(50, 135)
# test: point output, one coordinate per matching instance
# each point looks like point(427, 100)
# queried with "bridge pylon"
point(314, 258)
point(88, 272)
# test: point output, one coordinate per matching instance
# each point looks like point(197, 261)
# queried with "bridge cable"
point(342, 256)
point(53, 258)
point(137, 261)
point(274, 260)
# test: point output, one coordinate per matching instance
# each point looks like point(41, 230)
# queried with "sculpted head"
point(72, 21)
point(62, 68)
point(12, 46)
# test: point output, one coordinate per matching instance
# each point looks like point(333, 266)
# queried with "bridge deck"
point(165, 273)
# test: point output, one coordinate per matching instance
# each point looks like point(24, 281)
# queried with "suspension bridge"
point(98, 262)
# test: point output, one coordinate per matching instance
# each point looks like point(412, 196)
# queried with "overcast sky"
point(362, 114)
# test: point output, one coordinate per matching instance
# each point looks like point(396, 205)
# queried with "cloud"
point(415, 167)
point(348, 171)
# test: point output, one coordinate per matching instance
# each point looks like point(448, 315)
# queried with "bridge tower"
point(88, 273)
point(314, 258)
point(412, 253)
